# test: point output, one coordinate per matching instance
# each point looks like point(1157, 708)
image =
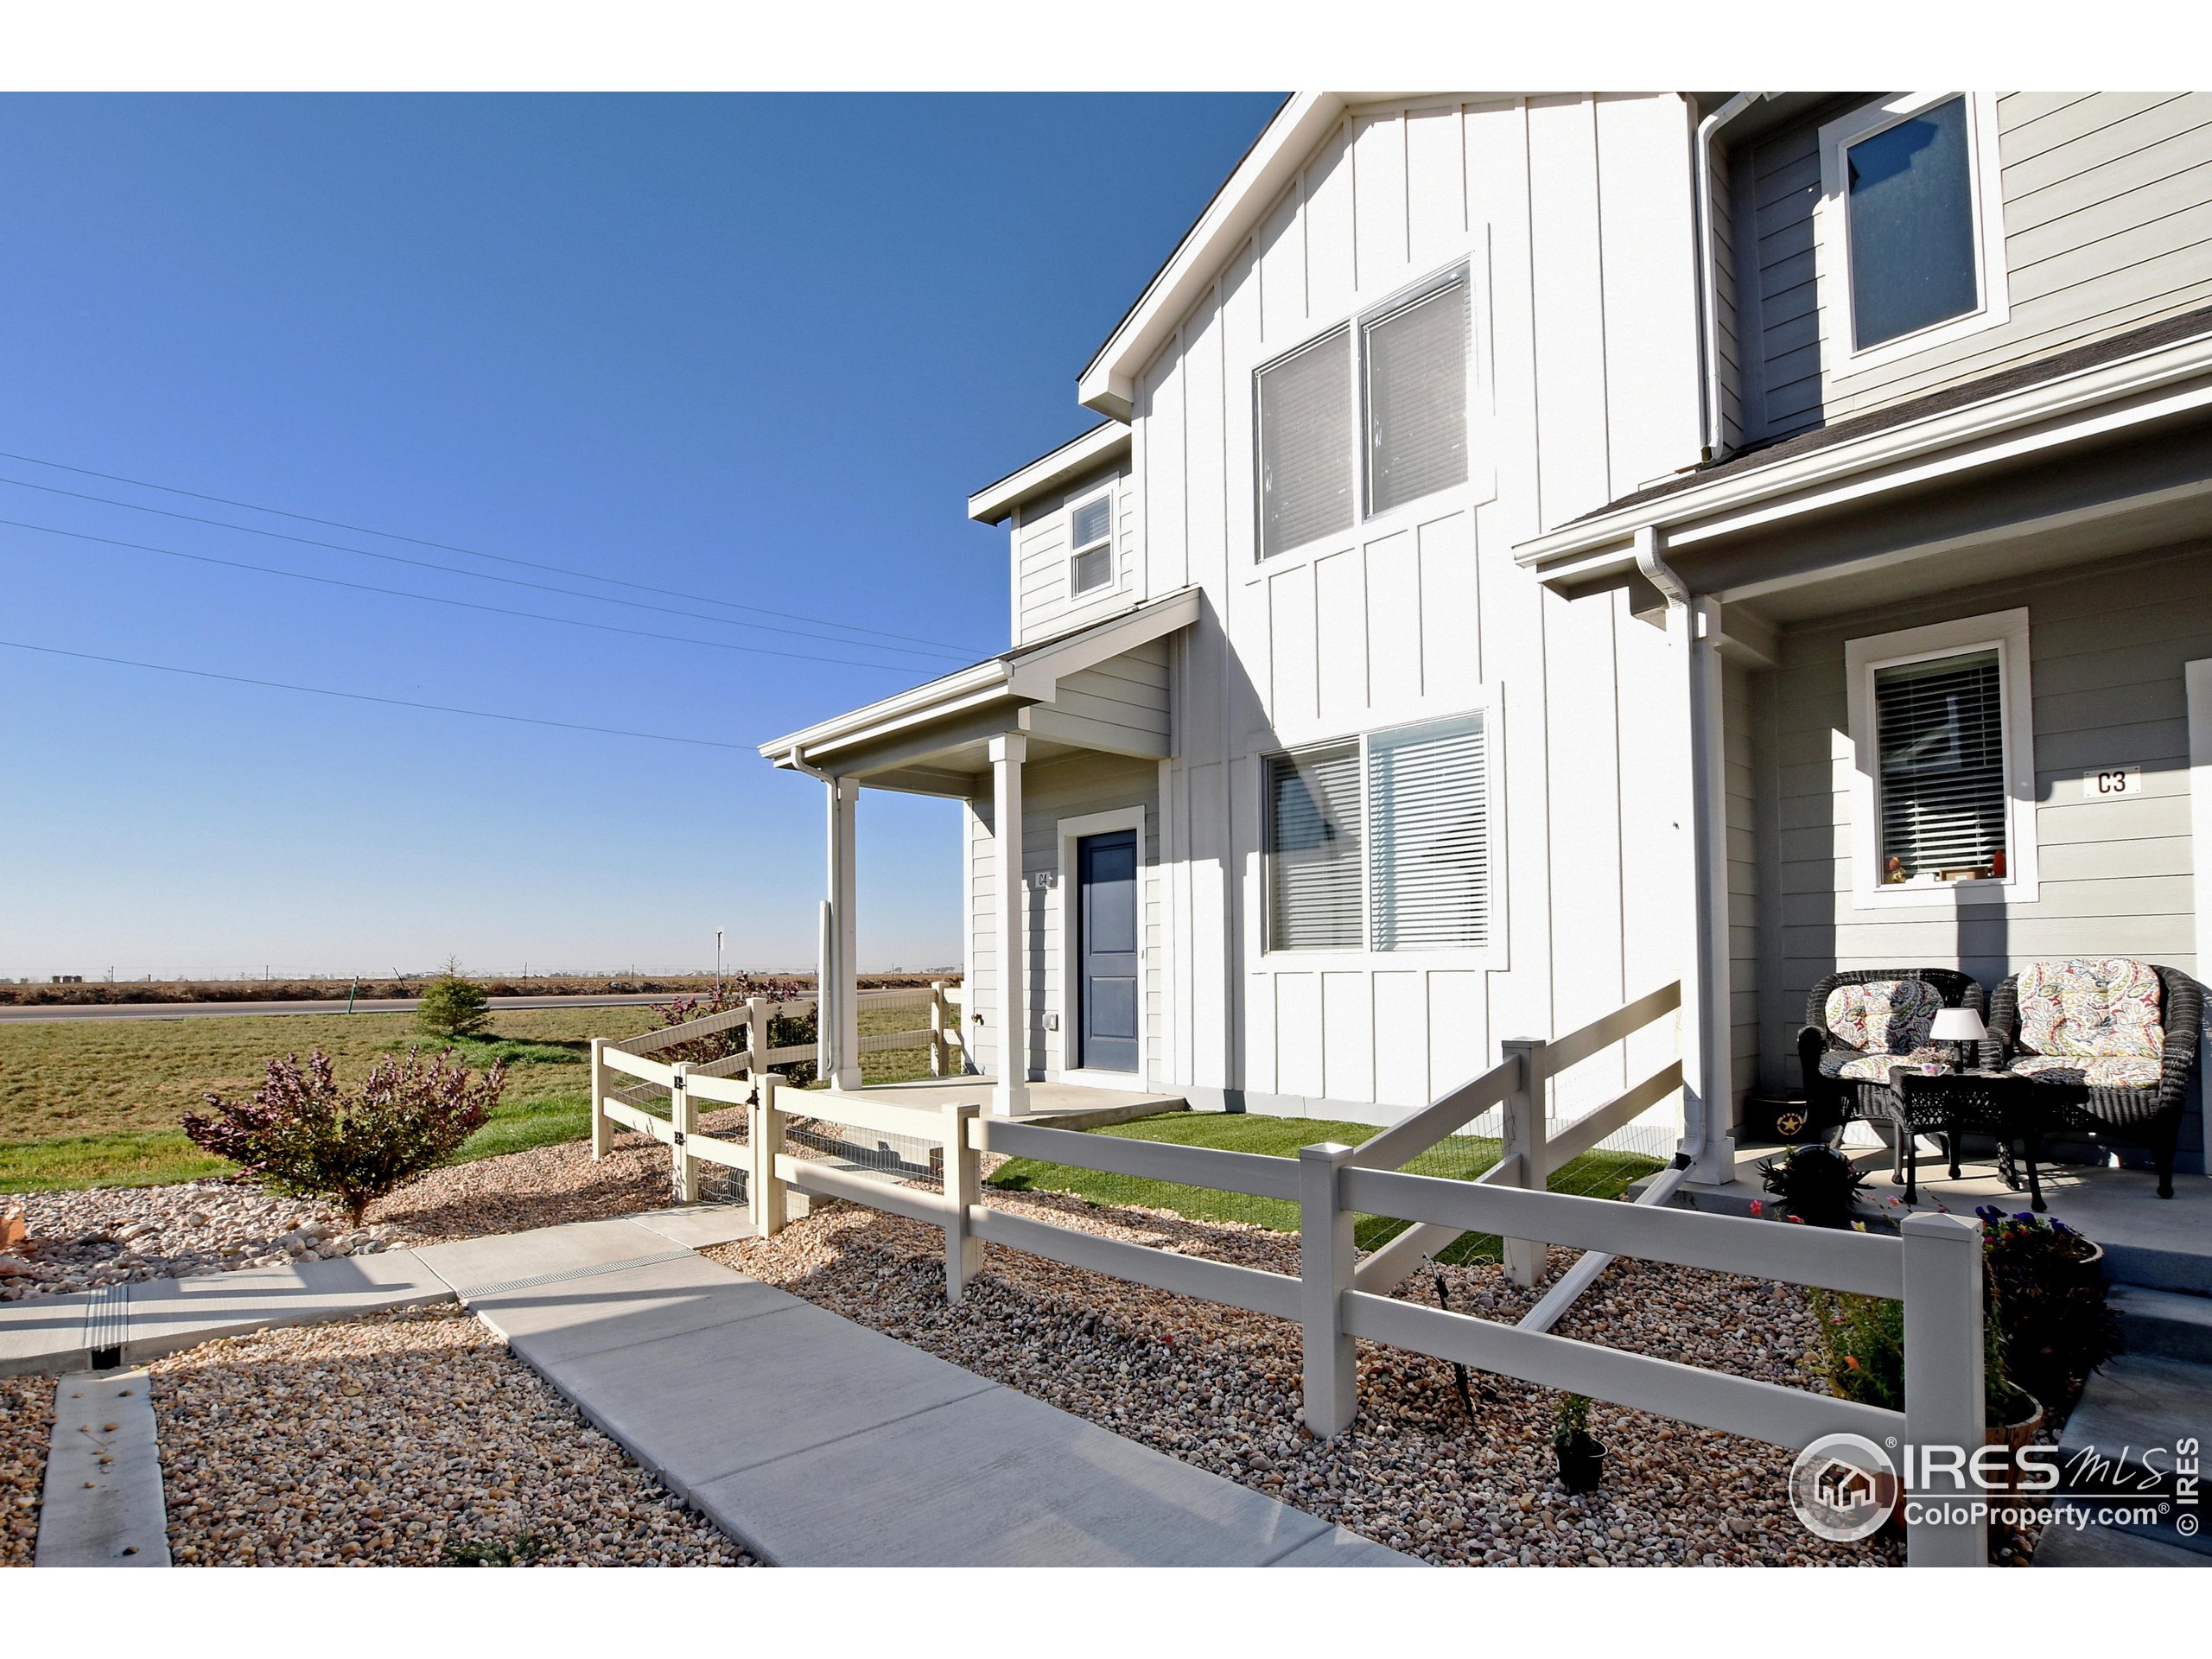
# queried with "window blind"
point(1313, 870)
point(1429, 836)
point(1306, 444)
point(1090, 530)
point(1940, 728)
point(1417, 399)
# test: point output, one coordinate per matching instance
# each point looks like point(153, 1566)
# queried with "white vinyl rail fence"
point(1934, 1266)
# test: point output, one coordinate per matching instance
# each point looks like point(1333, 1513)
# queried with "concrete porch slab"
point(1056, 1105)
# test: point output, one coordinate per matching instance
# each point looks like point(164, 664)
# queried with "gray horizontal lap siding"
point(2108, 226)
point(2107, 649)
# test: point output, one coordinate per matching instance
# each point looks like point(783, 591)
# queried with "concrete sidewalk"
point(816, 1441)
point(130, 1323)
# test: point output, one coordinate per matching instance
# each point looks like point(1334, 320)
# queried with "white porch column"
point(1700, 809)
point(844, 804)
point(1010, 1096)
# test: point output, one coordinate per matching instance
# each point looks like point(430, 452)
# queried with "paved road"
point(336, 1005)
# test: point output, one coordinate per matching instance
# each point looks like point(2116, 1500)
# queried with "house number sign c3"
point(2112, 783)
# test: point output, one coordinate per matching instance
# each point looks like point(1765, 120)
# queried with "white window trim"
point(1481, 482)
point(1063, 999)
point(2006, 633)
point(1110, 542)
point(1492, 956)
point(1832, 231)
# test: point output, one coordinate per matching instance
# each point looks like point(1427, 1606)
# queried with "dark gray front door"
point(1106, 951)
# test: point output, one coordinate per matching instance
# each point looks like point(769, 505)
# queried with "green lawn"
point(95, 1103)
point(1595, 1175)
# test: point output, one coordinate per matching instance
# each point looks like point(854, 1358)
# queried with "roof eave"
point(1582, 549)
point(1103, 442)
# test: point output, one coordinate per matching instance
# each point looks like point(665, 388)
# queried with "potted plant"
point(1581, 1455)
point(2045, 1284)
point(1817, 1184)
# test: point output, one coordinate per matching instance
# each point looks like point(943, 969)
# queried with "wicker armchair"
point(1845, 1080)
point(2078, 1099)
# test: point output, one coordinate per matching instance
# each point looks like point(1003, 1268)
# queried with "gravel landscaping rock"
point(1220, 1388)
point(113, 1234)
point(409, 1438)
point(25, 1432)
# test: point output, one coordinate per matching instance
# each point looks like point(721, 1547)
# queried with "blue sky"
point(751, 349)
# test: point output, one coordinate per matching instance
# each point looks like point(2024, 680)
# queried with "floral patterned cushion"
point(1884, 1016)
point(1875, 1068)
point(2102, 1071)
point(2092, 1008)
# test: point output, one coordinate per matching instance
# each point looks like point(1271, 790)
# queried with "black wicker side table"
point(1952, 1103)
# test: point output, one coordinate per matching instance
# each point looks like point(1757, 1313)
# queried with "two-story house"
point(1511, 522)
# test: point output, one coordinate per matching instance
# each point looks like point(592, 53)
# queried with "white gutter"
point(1107, 440)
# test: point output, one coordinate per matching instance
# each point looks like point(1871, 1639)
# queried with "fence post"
point(1326, 1259)
point(602, 1125)
point(1522, 1113)
point(1943, 1387)
point(765, 1135)
point(937, 1027)
point(964, 1189)
point(756, 1034)
point(684, 1173)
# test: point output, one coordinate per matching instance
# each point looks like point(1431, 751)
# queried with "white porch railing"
point(1934, 1266)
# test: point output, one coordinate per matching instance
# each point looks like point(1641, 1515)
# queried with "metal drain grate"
point(531, 1283)
point(107, 1325)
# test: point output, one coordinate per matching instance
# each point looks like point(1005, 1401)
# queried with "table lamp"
point(1959, 1027)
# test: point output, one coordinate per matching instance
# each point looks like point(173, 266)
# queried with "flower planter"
point(2014, 1435)
point(1581, 1467)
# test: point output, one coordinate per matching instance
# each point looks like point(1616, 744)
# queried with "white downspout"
point(1708, 270)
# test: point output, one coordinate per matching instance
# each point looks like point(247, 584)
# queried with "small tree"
point(452, 1006)
point(301, 1134)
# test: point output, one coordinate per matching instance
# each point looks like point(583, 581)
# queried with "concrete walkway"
point(818, 1442)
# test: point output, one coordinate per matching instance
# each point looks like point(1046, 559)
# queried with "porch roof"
point(934, 739)
point(2093, 451)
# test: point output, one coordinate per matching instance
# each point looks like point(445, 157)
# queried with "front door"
point(1106, 951)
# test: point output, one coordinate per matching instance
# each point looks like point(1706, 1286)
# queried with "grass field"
point(95, 1103)
point(1595, 1175)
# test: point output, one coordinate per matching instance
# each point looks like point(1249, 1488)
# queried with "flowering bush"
point(1817, 1184)
point(2049, 1299)
point(301, 1134)
point(783, 1031)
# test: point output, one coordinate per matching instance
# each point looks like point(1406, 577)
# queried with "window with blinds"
point(1417, 368)
point(1429, 836)
point(1312, 851)
point(1940, 732)
point(1306, 444)
point(1090, 531)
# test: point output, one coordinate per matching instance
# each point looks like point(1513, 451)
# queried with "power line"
point(470, 552)
point(458, 604)
point(363, 696)
point(473, 576)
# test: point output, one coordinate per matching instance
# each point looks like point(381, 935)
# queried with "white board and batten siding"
point(1573, 218)
point(2107, 647)
point(2108, 209)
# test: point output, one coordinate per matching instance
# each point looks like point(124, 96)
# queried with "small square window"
point(1091, 538)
